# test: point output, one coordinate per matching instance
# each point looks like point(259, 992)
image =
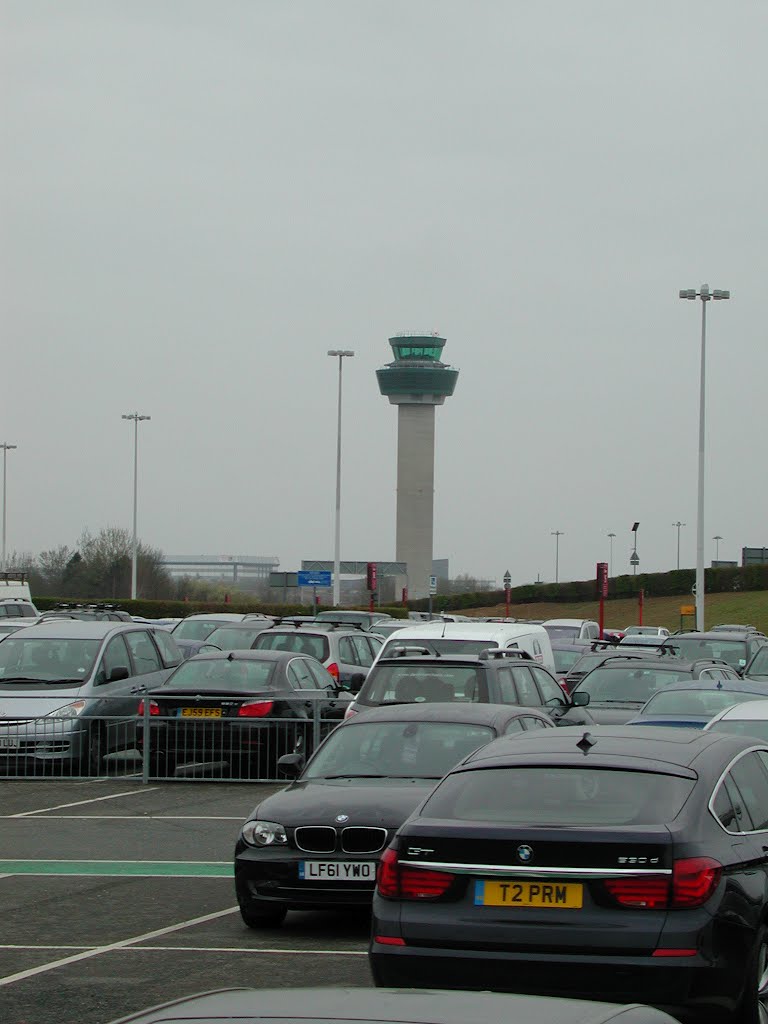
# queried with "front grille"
point(315, 838)
point(363, 839)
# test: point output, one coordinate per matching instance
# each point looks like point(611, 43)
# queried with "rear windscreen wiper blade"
point(355, 776)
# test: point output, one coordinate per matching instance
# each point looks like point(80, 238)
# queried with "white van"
point(473, 637)
point(15, 596)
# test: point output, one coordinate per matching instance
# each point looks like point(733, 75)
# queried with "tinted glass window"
point(194, 629)
point(507, 689)
point(627, 684)
point(300, 643)
point(347, 652)
point(564, 633)
point(407, 684)
point(743, 820)
point(320, 675)
point(229, 639)
point(170, 653)
point(516, 725)
point(222, 674)
point(573, 795)
point(441, 646)
point(299, 675)
point(526, 688)
point(144, 653)
point(749, 774)
point(397, 749)
point(757, 727)
point(115, 656)
point(723, 810)
point(565, 660)
point(534, 723)
point(46, 659)
point(551, 691)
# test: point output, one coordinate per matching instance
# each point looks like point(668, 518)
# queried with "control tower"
point(416, 381)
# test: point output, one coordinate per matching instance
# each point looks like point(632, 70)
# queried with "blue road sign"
point(307, 578)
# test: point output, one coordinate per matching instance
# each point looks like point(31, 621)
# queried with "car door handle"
point(139, 689)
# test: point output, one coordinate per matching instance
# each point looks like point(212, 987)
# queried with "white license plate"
point(8, 744)
point(338, 870)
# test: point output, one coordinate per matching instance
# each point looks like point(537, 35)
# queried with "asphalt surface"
point(116, 896)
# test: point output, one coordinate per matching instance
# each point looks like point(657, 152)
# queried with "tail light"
point(693, 881)
point(154, 707)
point(399, 881)
point(350, 712)
point(333, 668)
point(255, 709)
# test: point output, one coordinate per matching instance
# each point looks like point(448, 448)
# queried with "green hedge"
point(180, 609)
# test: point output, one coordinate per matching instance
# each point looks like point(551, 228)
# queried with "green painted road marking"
point(120, 868)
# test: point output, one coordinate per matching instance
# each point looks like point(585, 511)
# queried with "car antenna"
point(586, 743)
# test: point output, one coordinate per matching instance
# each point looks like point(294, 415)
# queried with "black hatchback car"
point(629, 863)
point(494, 676)
point(736, 647)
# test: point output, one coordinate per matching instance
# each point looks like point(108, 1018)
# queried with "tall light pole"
point(717, 538)
point(678, 524)
point(340, 354)
point(6, 448)
point(134, 557)
point(610, 553)
point(634, 560)
point(705, 295)
point(557, 534)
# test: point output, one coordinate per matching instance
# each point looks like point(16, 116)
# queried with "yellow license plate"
point(512, 893)
point(201, 712)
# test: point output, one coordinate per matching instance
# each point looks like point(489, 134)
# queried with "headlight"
point(263, 833)
point(68, 711)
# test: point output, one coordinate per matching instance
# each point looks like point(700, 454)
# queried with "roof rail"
point(407, 652)
point(497, 653)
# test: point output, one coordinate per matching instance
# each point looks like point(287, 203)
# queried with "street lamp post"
point(134, 557)
point(678, 524)
point(507, 585)
point(339, 354)
point(717, 538)
point(610, 553)
point(634, 560)
point(705, 295)
point(557, 534)
point(6, 448)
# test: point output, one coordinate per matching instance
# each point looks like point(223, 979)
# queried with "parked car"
point(316, 844)
point(619, 687)
point(757, 667)
point(692, 705)
point(644, 640)
point(748, 719)
point(623, 861)
point(381, 1006)
point(470, 638)
point(17, 608)
point(646, 631)
point(737, 648)
point(569, 630)
point(237, 636)
point(734, 627)
point(200, 627)
point(566, 656)
point(593, 656)
point(344, 650)
point(68, 691)
point(246, 708)
point(493, 677)
point(365, 619)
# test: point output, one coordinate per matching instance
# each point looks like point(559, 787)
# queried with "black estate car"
point(627, 862)
point(316, 843)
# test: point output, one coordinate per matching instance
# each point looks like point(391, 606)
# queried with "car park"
point(569, 630)
point(692, 705)
point(67, 691)
point(246, 708)
point(345, 650)
point(316, 844)
point(620, 685)
point(380, 1006)
point(737, 648)
point(493, 677)
point(747, 719)
point(470, 638)
point(623, 861)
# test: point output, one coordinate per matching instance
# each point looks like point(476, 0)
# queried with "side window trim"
point(726, 776)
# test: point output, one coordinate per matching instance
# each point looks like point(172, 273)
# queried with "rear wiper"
point(355, 776)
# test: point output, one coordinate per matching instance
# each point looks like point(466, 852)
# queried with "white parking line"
point(79, 803)
point(247, 949)
point(125, 817)
point(123, 944)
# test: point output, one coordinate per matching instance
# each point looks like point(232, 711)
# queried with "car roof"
point(659, 662)
point(79, 629)
point(415, 660)
point(716, 634)
point(249, 655)
point(621, 746)
point(444, 711)
point(565, 622)
point(726, 685)
point(469, 630)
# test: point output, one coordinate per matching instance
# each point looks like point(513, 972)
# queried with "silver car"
point(69, 691)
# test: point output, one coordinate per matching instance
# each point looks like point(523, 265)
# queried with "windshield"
point(412, 684)
point(572, 795)
point(195, 629)
point(759, 666)
point(397, 749)
point(695, 702)
point(298, 643)
point(693, 647)
point(46, 659)
point(628, 685)
point(222, 674)
point(228, 639)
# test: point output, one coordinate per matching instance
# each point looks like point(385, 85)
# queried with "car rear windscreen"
point(222, 674)
point(414, 684)
point(441, 645)
point(732, 651)
point(298, 643)
point(552, 795)
point(628, 685)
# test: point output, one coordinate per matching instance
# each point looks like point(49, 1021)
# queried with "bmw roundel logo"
point(525, 854)
point(341, 818)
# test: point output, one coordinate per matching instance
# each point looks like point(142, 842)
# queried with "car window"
point(722, 808)
point(115, 656)
point(299, 643)
point(550, 689)
point(409, 683)
point(751, 776)
point(143, 652)
point(533, 723)
point(299, 675)
point(362, 650)
point(169, 652)
point(628, 684)
point(347, 653)
point(516, 725)
point(527, 692)
point(322, 677)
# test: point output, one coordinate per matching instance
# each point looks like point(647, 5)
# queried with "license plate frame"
point(529, 894)
point(337, 870)
point(9, 743)
point(200, 713)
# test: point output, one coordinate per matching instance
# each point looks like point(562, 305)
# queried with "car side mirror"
point(291, 765)
point(118, 673)
point(579, 699)
point(356, 681)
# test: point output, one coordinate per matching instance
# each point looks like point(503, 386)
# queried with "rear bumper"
point(689, 987)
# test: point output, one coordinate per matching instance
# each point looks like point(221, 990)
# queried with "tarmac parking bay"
point(116, 896)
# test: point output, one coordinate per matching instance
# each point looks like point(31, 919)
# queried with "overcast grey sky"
point(200, 197)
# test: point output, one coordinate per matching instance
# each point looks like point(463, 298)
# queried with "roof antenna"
point(586, 743)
